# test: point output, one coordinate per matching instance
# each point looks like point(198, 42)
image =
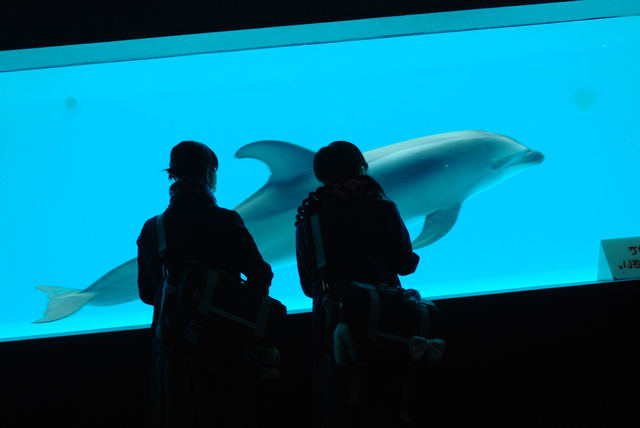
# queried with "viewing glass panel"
point(83, 148)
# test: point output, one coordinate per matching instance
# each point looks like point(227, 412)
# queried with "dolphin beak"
point(528, 158)
point(532, 157)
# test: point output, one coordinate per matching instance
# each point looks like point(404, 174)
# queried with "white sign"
point(619, 259)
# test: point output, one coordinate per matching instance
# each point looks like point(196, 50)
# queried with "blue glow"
point(82, 151)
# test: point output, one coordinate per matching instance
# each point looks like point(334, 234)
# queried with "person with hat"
point(184, 392)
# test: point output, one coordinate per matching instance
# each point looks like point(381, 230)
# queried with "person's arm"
point(145, 285)
point(247, 257)
point(406, 261)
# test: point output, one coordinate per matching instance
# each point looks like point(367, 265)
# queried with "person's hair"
point(340, 162)
point(190, 159)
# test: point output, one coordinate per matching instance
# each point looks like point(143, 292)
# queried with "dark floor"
point(558, 357)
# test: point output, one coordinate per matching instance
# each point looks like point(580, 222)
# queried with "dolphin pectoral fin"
point(436, 225)
point(64, 302)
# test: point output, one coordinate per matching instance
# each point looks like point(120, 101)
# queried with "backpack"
point(388, 326)
point(215, 319)
point(377, 327)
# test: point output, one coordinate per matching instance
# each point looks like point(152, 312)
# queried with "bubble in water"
point(70, 102)
point(584, 99)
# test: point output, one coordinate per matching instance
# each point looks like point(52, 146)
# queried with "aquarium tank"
point(519, 132)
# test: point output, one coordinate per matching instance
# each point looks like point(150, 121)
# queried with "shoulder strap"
point(162, 243)
point(317, 241)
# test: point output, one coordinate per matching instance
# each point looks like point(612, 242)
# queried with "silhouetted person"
point(364, 240)
point(185, 393)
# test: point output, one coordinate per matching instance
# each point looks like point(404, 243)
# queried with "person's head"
point(191, 159)
point(339, 162)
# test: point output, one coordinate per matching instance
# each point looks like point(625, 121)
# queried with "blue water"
point(82, 151)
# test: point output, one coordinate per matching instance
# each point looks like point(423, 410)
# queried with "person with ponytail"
point(185, 393)
point(364, 240)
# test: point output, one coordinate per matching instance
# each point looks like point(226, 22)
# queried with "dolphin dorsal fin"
point(286, 161)
point(436, 225)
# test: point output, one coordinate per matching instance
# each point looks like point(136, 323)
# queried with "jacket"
point(364, 240)
point(196, 229)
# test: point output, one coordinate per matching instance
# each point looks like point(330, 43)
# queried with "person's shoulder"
point(224, 211)
point(148, 229)
point(303, 223)
point(383, 203)
point(384, 207)
point(147, 224)
point(227, 215)
point(218, 210)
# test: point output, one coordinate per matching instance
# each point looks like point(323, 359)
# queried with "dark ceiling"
point(40, 23)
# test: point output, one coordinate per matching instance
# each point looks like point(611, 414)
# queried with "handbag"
point(376, 323)
point(211, 317)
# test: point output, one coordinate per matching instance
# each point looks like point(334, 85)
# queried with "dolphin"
point(428, 178)
point(119, 285)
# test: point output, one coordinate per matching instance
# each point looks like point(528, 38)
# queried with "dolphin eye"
point(500, 163)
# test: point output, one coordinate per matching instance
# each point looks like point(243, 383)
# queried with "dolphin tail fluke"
point(63, 302)
point(436, 225)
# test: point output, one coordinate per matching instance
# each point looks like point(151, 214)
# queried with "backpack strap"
point(162, 242)
point(162, 249)
point(321, 262)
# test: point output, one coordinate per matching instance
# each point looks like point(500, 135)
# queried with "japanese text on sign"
point(631, 264)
